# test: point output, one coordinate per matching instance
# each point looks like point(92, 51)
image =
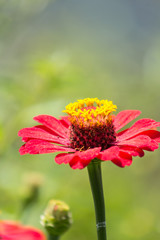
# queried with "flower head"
point(89, 131)
point(15, 231)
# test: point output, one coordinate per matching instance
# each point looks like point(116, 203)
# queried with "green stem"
point(53, 237)
point(95, 177)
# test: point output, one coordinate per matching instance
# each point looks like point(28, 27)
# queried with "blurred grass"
point(40, 74)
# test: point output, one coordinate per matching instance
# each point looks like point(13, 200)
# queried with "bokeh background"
point(53, 53)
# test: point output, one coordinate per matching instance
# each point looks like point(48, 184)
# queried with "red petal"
point(82, 159)
point(64, 120)
point(78, 159)
point(133, 151)
point(23, 150)
point(122, 132)
point(36, 146)
point(64, 157)
point(123, 159)
point(53, 124)
point(125, 117)
point(109, 154)
point(138, 127)
point(140, 141)
point(153, 134)
point(39, 133)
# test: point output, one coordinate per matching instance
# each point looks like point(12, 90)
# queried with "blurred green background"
point(53, 53)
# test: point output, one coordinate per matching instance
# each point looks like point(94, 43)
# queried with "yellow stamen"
point(90, 110)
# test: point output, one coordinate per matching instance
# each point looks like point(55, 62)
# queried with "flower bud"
point(32, 184)
point(57, 217)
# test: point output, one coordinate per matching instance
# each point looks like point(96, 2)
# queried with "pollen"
point(90, 112)
point(91, 124)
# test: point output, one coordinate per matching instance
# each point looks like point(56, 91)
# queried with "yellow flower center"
point(90, 112)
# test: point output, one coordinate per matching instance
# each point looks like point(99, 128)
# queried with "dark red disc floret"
point(83, 138)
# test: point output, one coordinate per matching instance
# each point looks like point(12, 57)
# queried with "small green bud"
point(32, 184)
point(57, 217)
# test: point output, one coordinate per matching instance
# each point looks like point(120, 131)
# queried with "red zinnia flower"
point(15, 231)
point(91, 131)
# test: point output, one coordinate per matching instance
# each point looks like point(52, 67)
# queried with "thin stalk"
point(95, 177)
point(53, 237)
